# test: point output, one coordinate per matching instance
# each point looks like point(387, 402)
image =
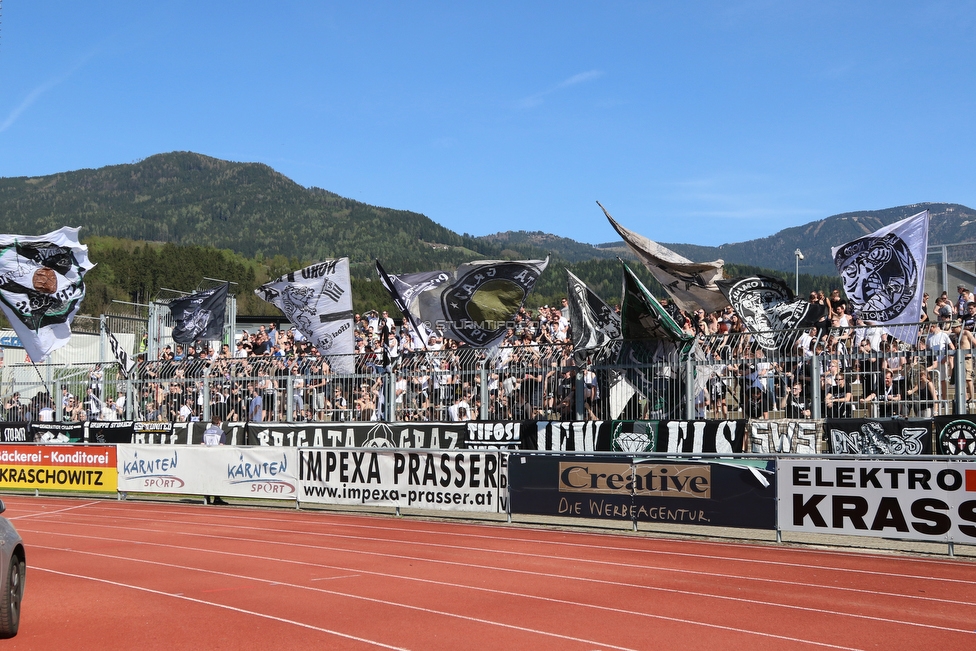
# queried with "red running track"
point(105, 574)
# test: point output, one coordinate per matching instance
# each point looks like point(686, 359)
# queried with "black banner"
point(701, 436)
point(437, 436)
point(110, 431)
point(662, 491)
point(887, 436)
point(956, 435)
point(16, 431)
point(57, 432)
point(567, 436)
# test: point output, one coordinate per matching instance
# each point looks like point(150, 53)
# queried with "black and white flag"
point(126, 363)
point(770, 311)
point(594, 325)
point(404, 290)
point(884, 274)
point(317, 300)
point(199, 316)
point(474, 304)
point(690, 284)
point(42, 286)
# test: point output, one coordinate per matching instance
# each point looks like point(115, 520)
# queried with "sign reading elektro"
point(915, 500)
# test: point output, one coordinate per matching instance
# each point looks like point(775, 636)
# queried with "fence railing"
point(726, 376)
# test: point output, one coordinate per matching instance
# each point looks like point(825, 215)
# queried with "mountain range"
point(189, 199)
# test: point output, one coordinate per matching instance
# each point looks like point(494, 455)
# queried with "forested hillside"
point(172, 220)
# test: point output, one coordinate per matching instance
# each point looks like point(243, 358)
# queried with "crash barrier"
point(924, 498)
point(942, 435)
point(716, 378)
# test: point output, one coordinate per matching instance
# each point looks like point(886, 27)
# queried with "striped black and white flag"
point(317, 300)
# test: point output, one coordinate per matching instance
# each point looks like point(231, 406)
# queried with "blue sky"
point(697, 122)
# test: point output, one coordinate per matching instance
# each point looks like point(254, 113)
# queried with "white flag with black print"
point(42, 286)
point(884, 275)
point(594, 326)
point(317, 300)
point(689, 284)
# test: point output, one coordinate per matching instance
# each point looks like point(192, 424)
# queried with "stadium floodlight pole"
point(799, 256)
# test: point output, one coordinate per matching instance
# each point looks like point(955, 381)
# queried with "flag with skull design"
point(884, 275)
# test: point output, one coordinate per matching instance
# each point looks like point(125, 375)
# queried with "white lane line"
point(546, 575)
point(641, 567)
point(429, 611)
point(218, 605)
point(34, 515)
point(449, 528)
point(475, 619)
point(914, 577)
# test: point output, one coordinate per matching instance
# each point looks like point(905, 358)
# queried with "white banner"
point(318, 301)
point(916, 500)
point(450, 481)
point(199, 470)
point(783, 436)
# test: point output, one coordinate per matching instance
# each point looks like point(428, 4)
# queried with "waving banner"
point(769, 310)
point(126, 363)
point(42, 286)
point(884, 274)
point(595, 327)
point(474, 304)
point(690, 284)
point(405, 288)
point(318, 301)
point(200, 315)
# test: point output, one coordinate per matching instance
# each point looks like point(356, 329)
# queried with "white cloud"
point(536, 99)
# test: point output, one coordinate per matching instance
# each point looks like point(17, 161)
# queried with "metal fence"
point(725, 376)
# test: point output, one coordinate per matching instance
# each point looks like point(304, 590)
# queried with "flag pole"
point(398, 301)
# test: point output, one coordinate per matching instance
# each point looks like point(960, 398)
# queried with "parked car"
point(13, 570)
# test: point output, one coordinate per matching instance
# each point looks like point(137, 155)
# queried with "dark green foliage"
point(173, 219)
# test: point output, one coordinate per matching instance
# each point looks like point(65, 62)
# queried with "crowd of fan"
point(862, 370)
point(533, 373)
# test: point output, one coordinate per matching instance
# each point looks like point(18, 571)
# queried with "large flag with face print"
point(318, 301)
point(884, 274)
point(42, 286)
point(690, 284)
point(770, 311)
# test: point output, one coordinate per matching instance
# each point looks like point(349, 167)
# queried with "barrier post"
point(290, 398)
point(959, 373)
point(815, 398)
point(130, 395)
point(689, 394)
point(483, 391)
point(580, 390)
point(389, 393)
point(205, 412)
